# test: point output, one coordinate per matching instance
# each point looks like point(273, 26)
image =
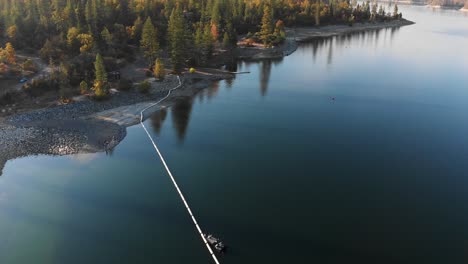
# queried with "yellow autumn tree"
point(11, 32)
point(87, 42)
point(8, 54)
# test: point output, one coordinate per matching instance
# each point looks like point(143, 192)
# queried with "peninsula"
point(72, 78)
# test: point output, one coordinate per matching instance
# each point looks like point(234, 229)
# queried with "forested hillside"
point(70, 34)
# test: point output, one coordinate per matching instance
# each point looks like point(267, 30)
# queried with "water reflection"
point(324, 48)
point(110, 152)
point(213, 90)
point(330, 52)
point(232, 65)
point(157, 120)
point(265, 73)
point(181, 112)
point(335, 45)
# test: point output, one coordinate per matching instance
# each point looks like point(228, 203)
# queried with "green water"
point(274, 166)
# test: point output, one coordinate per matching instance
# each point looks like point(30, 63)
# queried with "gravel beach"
point(85, 126)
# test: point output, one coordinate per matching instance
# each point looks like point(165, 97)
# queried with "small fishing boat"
point(215, 242)
point(220, 247)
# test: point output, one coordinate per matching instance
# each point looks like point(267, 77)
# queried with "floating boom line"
point(215, 259)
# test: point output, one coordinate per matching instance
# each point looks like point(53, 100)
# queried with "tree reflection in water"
point(182, 107)
point(265, 72)
point(157, 120)
point(181, 111)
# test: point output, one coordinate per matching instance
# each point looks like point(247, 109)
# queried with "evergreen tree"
point(226, 40)
point(137, 28)
point(107, 36)
point(381, 11)
point(100, 70)
point(100, 81)
point(89, 15)
point(199, 36)
point(232, 35)
point(267, 25)
point(317, 12)
point(177, 36)
point(83, 87)
point(208, 43)
point(149, 42)
point(374, 11)
point(395, 11)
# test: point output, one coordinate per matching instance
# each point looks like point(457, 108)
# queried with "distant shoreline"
point(298, 35)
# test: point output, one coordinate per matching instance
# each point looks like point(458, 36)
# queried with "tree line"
point(85, 33)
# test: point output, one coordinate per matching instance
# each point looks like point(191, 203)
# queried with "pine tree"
point(317, 12)
point(208, 43)
point(89, 15)
point(137, 28)
point(374, 11)
point(149, 42)
point(267, 25)
point(100, 81)
point(107, 36)
point(177, 36)
point(159, 71)
point(226, 40)
point(395, 11)
point(79, 16)
point(381, 11)
point(231, 33)
point(199, 36)
point(83, 87)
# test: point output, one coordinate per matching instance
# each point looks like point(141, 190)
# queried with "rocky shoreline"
point(87, 126)
point(79, 127)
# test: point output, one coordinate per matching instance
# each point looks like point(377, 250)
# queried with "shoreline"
point(87, 126)
point(299, 35)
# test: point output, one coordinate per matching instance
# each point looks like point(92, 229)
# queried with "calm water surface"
point(275, 167)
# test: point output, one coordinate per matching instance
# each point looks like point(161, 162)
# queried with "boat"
point(215, 242)
point(220, 247)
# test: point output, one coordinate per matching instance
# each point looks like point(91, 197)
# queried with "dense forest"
point(86, 39)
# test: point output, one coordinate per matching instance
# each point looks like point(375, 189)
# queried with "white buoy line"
point(170, 173)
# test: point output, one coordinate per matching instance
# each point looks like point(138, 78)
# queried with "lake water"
point(275, 166)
